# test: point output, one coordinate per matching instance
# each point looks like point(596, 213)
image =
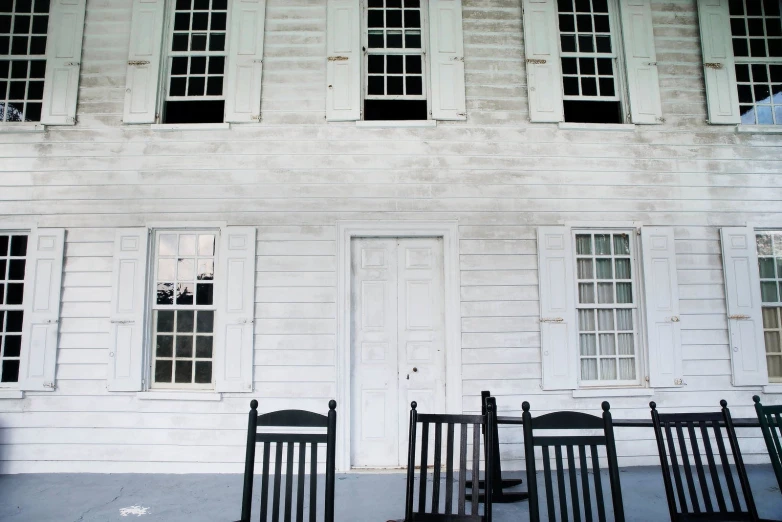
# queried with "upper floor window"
point(769, 246)
point(13, 261)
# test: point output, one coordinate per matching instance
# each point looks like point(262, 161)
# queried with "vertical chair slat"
point(300, 489)
point(289, 484)
point(699, 468)
point(726, 467)
point(409, 489)
point(424, 463)
point(601, 510)
point(449, 470)
point(313, 480)
point(675, 466)
point(462, 469)
point(571, 463)
point(277, 482)
point(715, 478)
point(776, 433)
point(265, 482)
point(561, 483)
point(476, 465)
point(687, 469)
point(547, 481)
point(438, 436)
point(585, 483)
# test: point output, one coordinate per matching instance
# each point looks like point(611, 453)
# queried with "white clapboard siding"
point(663, 324)
point(446, 59)
point(143, 63)
point(234, 338)
point(63, 62)
point(718, 66)
point(128, 308)
point(742, 290)
point(544, 73)
point(40, 331)
point(558, 343)
point(641, 61)
point(245, 61)
point(343, 60)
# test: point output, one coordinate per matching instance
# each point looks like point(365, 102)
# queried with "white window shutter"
point(245, 61)
point(63, 58)
point(343, 66)
point(236, 310)
point(146, 44)
point(128, 305)
point(662, 307)
point(719, 69)
point(558, 337)
point(544, 73)
point(641, 62)
point(742, 293)
point(40, 331)
point(446, 55)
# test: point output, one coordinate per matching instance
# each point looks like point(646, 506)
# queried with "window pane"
point(625, 343)
point(605, 320)
point(586, 293)
point(624, 293)
point(607, 344)
point(626, 369)
point(583, 244)
point(608, 369)
point(588, 369)
point(588, 344)
point(605, 293)
point(604, 269)
point(768, 292)
point(602, 244)
point(585, 269)
point(586, 320)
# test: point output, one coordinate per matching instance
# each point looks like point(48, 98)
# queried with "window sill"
point(189, 126)
point(394, 123)
point(11, 128)
point(179, 396)
point(627, 127)
point(759, 129)
point(772, 388)
point(613, 392)
point(11, 394)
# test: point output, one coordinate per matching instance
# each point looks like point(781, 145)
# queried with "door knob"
point(415, 369)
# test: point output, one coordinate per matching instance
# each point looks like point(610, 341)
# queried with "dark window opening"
point(395, 110)
point(205, 111)
point(579, 111)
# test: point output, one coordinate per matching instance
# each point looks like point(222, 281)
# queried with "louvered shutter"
point(718, 67)
point(544, 74)
point(447, 60)
point(146, 40)
point(557, 309)
point(63, 58)
point(643, 83)
point(236, 310)
point(662, 307)
point(245, 61)
point(43, 282)
point(742, 293)
point(343, 66)
point(128, 304)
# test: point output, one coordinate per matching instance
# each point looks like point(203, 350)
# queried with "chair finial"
point(605, 406)
point(525, 406)
point(254, 404)
point(756, 399)
point(653, 405)
point(414, 405)
point(724, 403)
point(332, 404)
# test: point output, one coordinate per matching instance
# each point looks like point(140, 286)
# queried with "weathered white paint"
point(138, 511)
point(494, 178)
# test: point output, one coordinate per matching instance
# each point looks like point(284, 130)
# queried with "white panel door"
point(398, 343)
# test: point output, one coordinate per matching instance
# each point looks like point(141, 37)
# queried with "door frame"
point(448, 231)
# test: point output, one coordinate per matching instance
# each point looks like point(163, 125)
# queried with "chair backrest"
point(710, 491)
point(459, 432)
point(770, 418)
point(572, 454)
point(285, 441)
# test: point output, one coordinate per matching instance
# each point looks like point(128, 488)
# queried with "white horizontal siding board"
point(446, 60)
point(40, 331)
point(641, 62)
point(718, 62)
point(544, 75)
point(144, 59)
point(127, 313)
point(343, 60)
point(245, 61)
point(63, 62)
point(745, 324)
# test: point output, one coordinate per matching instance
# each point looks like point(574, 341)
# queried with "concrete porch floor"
point(360, 497)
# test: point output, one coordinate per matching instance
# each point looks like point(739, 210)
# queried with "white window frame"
point(21, 307)
point(776, 306)
point(639, 337)
point(152, 307)
point(425, 67)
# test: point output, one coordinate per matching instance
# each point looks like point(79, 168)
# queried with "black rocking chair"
point(574, 448)
point(294, 419)
point(454, 428)
point(770, 418)
point(683, 492)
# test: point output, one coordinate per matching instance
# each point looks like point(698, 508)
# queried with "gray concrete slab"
point(208, 498)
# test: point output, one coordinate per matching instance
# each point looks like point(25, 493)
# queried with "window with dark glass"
point(770, 267)
point(23, 28)
point(756, 29)
point(13, 260)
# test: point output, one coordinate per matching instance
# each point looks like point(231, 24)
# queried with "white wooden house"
point(204, 202)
